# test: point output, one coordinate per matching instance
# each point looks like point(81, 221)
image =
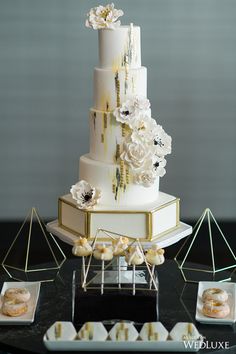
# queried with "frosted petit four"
point(155, 255)
point(153, 331)
point(93, 331)
point(215, 294)
point(19, 294)
point(123, 331)
point(134, 256)
point(184, 331)
point(120, 245)
point(81, 247)
point(215, 309)
point(61, 331)
point(14, 308)
point(103, 252)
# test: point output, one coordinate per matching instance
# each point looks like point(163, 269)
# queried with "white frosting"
point(112, 86)
point(94, 331)
point(104, 176)
point(153, 331)
point(119, 47)
point(61, 331)
point(123, 332)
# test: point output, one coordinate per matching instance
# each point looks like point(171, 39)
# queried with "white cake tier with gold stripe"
point(106, 136)
point(119, 47)
point(116, 183)
point(112, 87)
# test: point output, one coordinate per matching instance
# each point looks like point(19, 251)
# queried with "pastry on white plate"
point(215, 309)
point(94, 331)
point(103, 252)
point(14, 308)
point(155, 255)
point(61, 331)
point(123, 331)
point(134, 255)
point(18, 294)
point(120, 245)
point(153, 331)
point(81, 247)
point(215, 294)
point(184, 331)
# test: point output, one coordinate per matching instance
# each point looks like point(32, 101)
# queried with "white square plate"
point(28, 317)
point(231, 290)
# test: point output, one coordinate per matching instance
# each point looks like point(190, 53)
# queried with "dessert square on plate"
point(230, 288)
point(28, 317)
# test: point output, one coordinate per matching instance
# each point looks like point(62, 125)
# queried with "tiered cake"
point(118, 186)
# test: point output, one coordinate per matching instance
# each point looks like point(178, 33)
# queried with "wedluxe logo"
point(202, 343)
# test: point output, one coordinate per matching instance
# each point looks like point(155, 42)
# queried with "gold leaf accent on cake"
point(105, 120)
point(117, 86)
point(127, 175)
point(123, 129)
point(113, 188)
point(122, 172)
point(117, 156)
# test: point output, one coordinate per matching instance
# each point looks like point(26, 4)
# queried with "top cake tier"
point(119, 47)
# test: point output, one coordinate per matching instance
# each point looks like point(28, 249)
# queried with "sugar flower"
point(103, 17)
point(85, 195)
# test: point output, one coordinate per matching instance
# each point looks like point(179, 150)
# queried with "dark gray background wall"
point(46, 65)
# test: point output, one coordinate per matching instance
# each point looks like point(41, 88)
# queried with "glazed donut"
point(14, 308)
point(19, 294)
point(214, 294)
point(216, 309)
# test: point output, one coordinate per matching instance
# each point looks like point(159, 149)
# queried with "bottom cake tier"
point(147, 222)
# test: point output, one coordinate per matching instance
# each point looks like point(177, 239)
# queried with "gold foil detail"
point(105, 120)
point(117, 156)
point(123, 129)
point(127, 176)
point(117, 85)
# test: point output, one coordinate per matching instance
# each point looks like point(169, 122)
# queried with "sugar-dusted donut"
point(19, 294)
point(216, 309)
point(14, 308)
point(215, 294)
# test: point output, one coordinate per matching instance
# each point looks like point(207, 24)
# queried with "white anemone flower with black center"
point(161, 142)
point(104, 17)
point(86, 196)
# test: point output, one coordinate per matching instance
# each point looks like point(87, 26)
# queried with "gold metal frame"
point(30, 217)
point(148, 215)
point(207, 214)
point(112, 236)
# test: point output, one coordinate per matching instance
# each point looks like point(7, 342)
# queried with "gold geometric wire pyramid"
point(34, 254)
point(208, 243)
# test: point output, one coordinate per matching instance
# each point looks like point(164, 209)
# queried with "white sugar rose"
point(126, 113)
point(161, 142)
point(143, 129)
point(85, 195)
point(103, 17)
point(145, 177)
point(135, 154)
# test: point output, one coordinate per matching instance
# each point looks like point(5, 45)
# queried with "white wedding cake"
point(118, 188)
